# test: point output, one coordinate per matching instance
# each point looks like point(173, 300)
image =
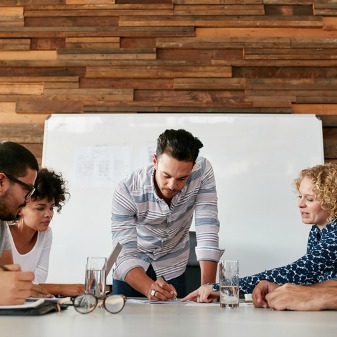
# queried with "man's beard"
point(5, 214)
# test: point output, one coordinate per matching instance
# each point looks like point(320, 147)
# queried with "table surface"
point(161, 320)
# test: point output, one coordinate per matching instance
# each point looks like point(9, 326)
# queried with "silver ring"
point(153, 293)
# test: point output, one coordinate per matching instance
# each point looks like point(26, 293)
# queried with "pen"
point(163, 278)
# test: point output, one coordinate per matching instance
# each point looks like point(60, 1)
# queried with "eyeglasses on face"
point(29, 188)
point(86, 303)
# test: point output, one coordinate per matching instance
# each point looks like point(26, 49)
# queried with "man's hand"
point(158, 290)
point(162, 291)
point(203, 294)
point(16, 285)
point(260, 292)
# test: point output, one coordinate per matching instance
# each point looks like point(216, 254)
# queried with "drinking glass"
point(229, 283)
point(95, 276)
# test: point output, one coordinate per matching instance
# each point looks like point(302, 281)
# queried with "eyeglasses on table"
point(86, 303)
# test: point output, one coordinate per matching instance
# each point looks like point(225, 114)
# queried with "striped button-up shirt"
point(151, 232)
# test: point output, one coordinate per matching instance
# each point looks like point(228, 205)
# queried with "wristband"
point(215, 286)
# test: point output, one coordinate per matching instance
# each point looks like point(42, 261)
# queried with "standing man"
point(152, 212)
point(18, 170)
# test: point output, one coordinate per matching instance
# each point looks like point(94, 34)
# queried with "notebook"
point(32, 307)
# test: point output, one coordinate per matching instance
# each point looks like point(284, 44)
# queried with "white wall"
point(255, 159)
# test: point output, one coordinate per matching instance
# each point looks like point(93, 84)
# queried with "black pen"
point(163, 278)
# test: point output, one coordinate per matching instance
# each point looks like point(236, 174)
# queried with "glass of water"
point(95, 276)
point(229, 283)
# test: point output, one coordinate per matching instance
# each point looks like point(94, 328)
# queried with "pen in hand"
point(163, 278)
point(172, 292)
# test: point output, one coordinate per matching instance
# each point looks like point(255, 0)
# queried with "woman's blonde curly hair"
point(324, 180)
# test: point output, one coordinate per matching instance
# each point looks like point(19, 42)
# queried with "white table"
point(172, 320)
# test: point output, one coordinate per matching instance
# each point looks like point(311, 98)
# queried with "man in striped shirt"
point(152, 212)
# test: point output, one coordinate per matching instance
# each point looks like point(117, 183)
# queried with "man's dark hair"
point(15, 159)
point(179, 144)
point(51, 185)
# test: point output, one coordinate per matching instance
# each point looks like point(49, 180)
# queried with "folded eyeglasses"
point(86, 303)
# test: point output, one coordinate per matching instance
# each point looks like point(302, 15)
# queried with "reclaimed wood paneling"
point(10, 88)
point(108, 56)
point(330, 145)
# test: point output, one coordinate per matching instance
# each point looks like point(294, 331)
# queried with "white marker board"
point(255, 160)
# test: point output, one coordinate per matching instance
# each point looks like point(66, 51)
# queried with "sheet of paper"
point(211, 304)
point(101, 166)
point(147, 301)
point(187, 303)
point(177, 301)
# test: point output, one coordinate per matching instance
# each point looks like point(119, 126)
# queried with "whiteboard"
point(255, 160)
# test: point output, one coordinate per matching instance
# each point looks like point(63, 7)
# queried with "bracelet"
point(215, 286)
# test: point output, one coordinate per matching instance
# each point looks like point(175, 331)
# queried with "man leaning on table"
point(319, 296)
point(152, 212)
point(18, 171)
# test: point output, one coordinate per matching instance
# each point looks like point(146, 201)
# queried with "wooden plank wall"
point(108, 56)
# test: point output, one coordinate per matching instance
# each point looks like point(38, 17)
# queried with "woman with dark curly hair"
point(31, 237)
point(317, 203)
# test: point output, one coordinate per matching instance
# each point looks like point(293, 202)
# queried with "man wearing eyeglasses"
point(18, 171)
